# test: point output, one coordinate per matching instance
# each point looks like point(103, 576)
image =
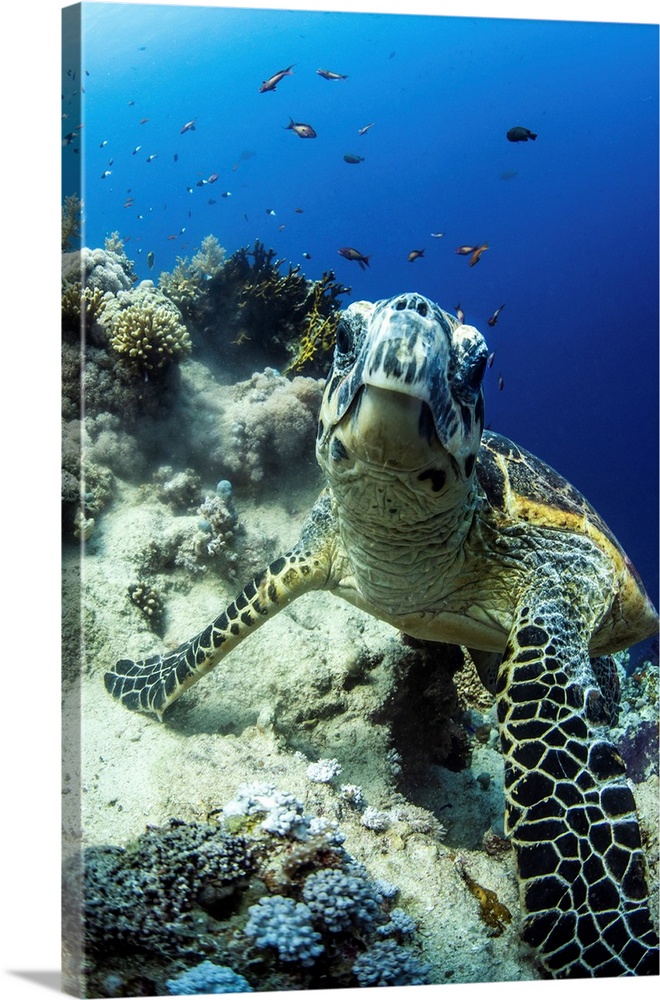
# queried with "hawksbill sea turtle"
point(455, 534)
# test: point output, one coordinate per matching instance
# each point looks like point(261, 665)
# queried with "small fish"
point(174, 236)
point(188, 127)
point(131, 104)
point(299, 210)
point(176, 157)
point(137, 150)
point(437, 236)
point(460, 315)
point(212, 201)
point(106, 173)
point(520, 134)
point(350, 253)
point(129, 203)
point(104, 143)
point(365, 128)
point(280, 228)
point(189, 190)
point(302, 129)
point(226, 194)
point(491, 358)
point(273, 81)
point(414, 254)
point(494, 318)
point(213, 178)
point(500, 383)
point(270, 211)
point(202, 182)
point(353, 158)
point(465, 250)
point(329, 75)
point(150, 258)
point(476, 256)
point(152, 156)
point(110, 163)
point(306, 255)
point(508, 175)
point(143, 121)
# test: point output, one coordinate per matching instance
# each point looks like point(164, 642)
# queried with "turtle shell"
point(520, 487)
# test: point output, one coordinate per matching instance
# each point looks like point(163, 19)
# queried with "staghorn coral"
point(149, 336)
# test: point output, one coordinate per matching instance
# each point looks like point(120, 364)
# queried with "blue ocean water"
point(571, 219)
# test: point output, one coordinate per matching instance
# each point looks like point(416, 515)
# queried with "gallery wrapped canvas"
point(359, 344)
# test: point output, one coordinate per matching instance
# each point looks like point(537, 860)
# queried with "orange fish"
point(414, 254)
point(273, 81)
point(465, 250)
point(474, 259)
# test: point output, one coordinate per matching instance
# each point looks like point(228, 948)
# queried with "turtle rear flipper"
point(152, 685)
point(570, 812)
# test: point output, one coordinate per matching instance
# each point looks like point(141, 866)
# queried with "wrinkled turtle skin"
point(454, 534)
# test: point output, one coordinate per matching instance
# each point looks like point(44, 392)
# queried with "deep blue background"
point(573, 235)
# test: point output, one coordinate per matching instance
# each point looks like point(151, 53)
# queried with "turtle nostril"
point(401, 304)
point(422, 308)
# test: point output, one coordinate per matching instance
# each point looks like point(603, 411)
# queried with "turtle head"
point(404, 394)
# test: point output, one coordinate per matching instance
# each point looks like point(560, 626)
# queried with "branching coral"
point(148, 337)
point(184, 285)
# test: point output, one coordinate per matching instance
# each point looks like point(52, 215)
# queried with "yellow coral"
point(318, 336)
point(149, 337)
point(81, 305)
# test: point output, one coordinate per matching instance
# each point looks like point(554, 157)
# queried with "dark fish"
point(273, 81)
point(152, 156)
point(329, 75)
point(500, 383)
point(494, 318)
point(302, 129)
point(270, 211)
point(414, 254)
point(202, 182)
point(520, 134)
point(150, 258)
point(129, 203)
point(213, 178)
point(137, 150)
point(176, 157)
point(188, 127)
point(460, 315)
point(143, 121)
point(508, 175)
point(353, 158)
point(491, 358)
point(465, 250)
point(476, 256)
point(299, 210)
point(106, 173)
point(104, 143)
point(366, 128)
point(350, 253)
point(212, 201)
point(173, 236)
point(306, 255)
point(226, 194)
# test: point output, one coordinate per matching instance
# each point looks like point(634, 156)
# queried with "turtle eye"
point(342, 339)
point(475, 374)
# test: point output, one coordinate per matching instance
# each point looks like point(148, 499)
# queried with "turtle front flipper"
point(152, 685)
point(570, 813)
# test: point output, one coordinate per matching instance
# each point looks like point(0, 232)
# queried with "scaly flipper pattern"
point(152, 685)
point(570, 813)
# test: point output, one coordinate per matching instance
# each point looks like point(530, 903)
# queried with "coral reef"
point(279, 922)
point(267, 892)
point(71, 221)
point(273, 426)
point(208, 978)
point(250, 309)
point(149, 336)
point(386, 963)
point(185, 284)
